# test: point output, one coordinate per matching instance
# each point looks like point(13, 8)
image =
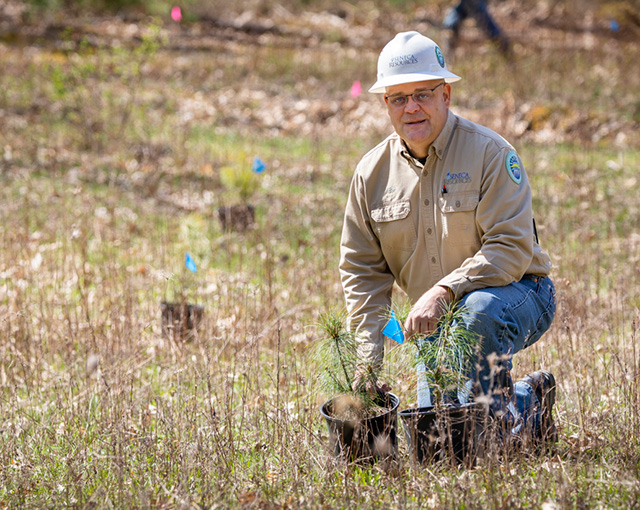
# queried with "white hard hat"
point(410, 57)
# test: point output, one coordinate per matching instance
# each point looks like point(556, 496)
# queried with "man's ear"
point(446, 93)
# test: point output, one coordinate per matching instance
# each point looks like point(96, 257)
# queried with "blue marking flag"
point(393, 329)
point(258, 165)
point(190, 263)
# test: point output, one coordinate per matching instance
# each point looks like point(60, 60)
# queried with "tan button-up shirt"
point(462, 220)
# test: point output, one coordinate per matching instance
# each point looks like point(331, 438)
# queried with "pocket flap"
point(459, 202)
point(390, 212)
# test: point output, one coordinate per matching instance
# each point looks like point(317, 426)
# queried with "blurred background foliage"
point(626, 9)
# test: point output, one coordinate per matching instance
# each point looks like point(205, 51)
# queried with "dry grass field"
point(121, 136)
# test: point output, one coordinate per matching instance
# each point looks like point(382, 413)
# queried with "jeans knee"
point(482, 303)
point(490, 318)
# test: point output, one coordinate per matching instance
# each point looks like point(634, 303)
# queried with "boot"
point(544, 386)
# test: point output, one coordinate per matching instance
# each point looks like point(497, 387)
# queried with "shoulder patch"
point(514, 167)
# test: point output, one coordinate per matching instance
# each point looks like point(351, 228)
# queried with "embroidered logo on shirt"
point(440, 57)
point(513, 167)
point(457, 178)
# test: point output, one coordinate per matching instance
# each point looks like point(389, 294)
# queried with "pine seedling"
point(241, 180)
point(447, 355)
point(336, 356)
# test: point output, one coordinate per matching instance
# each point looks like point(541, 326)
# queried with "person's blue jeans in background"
point(476, 9)
point(507, 319)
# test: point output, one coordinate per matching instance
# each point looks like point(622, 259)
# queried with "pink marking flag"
point(356, 89)
point(176, 13)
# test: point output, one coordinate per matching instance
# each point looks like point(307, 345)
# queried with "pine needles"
point(336, 353)
point(336, 356)
point(447, 355)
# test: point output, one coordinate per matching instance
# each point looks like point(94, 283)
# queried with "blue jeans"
point(507, 319)
point(476, 9)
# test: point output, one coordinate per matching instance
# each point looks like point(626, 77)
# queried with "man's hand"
point(424, 316)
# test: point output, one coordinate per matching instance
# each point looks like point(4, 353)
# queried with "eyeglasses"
point(421, 97)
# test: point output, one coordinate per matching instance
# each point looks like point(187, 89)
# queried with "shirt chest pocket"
point(459, 218)
point(394, 226)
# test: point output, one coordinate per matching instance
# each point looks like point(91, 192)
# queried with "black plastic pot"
point(180, 321)
point(238, 217)
point(367, 438)
point(453, 432)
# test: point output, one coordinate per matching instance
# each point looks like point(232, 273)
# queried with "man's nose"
point(411, 105)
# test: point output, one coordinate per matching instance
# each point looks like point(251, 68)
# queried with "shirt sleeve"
point(504, 218)
point(366, 279)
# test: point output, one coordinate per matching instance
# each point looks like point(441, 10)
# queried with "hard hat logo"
point(408, 58)
point(402, 60)
point(440, 57)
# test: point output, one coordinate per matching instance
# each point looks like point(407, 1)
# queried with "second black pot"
point(453, 431)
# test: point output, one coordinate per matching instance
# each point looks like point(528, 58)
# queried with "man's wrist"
point(451, 296)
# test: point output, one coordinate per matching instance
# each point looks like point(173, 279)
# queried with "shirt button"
point(429, 231)
point(433, 259)
point(426, 202)
point(457, 203)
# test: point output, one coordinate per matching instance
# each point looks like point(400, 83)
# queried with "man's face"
point(419, 124)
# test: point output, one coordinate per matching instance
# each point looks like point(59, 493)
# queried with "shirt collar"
point(440, 144)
